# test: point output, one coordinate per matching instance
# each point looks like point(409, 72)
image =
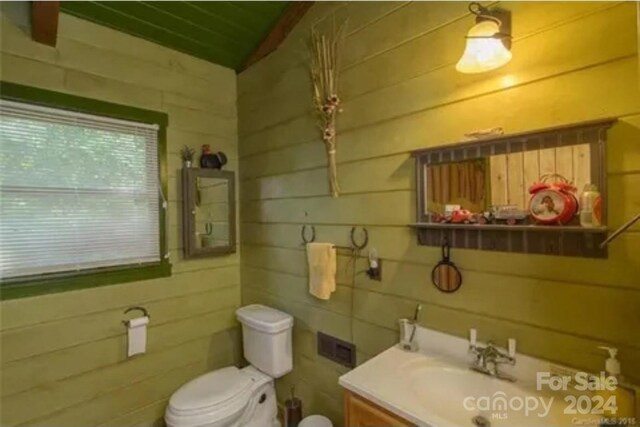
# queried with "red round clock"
point(553, 202)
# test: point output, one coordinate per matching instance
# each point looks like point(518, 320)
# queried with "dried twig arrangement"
point(325, 68)
point(187, 153)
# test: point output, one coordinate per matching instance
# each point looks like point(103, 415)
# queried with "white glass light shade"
point(483, 52)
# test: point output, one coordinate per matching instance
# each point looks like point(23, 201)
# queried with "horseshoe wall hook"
point(303, 234)
point(353, 238)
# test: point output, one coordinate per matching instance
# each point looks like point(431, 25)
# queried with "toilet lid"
point(223, 387)
point(264, 319)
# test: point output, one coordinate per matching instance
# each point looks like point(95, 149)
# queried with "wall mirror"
point(494, 182)
point(208, 214)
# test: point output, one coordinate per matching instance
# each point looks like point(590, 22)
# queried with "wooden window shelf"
point(537, 239)
point(565, 240)
point(533, 228)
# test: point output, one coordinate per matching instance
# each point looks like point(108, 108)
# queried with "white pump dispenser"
point(612, 365)
point(624, 394)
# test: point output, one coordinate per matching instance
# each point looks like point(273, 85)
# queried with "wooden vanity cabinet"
point(359, 412)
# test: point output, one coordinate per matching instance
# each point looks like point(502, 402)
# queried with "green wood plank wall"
point(64, 355)
point(400, 92)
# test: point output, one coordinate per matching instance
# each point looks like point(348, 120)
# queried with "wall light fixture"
point(488, 42)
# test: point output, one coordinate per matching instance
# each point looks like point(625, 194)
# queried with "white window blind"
point(77, 191)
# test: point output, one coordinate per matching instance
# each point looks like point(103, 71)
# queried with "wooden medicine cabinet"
point(475, 194)
point(208, 212)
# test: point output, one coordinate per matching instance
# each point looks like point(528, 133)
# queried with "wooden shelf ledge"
point(565, 240)
point(516, 227)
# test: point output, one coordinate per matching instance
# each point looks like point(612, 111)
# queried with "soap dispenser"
point(624, 395)
point(612, 364)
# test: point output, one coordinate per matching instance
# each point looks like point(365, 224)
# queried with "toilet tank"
point(266, 338)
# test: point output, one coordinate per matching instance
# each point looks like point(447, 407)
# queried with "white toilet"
point(232, 397)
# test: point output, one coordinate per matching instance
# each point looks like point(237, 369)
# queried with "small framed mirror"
point(208, 212)
point(445, 275)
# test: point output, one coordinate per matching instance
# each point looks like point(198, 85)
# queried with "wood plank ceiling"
point(222, 32)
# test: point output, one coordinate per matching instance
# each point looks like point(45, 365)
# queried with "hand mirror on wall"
point(445, 275)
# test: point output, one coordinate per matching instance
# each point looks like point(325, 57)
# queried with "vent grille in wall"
point(339, 351)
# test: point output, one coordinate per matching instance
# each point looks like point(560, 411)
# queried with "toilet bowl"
point(232, 397)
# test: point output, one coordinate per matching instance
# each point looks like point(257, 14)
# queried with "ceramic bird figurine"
point(209, 160)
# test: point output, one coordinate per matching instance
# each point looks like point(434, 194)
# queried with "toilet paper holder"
point(142, 309)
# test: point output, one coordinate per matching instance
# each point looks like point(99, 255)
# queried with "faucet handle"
point(512, 347)
point(473, 334)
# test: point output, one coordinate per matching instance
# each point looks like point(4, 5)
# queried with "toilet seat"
point(208, 391)
point(215, 398)
point(218, 395)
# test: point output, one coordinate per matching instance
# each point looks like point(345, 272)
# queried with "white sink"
point(452, 395)
point(432, 389)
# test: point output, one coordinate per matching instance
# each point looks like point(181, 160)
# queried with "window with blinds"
point(77, 191)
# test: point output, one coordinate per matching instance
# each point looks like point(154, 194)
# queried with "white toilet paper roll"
point(137, 329)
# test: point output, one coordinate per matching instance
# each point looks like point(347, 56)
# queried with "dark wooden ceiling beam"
point(44, 21)
point(292, 15)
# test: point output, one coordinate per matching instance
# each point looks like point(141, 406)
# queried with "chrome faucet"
point(488, 359)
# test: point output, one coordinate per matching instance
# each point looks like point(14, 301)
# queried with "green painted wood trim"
point(224, 33)
point(88, 279)
point(238, 21)
point(45, 284)
point(215, 28)
point(47, 98)
point(113, 17)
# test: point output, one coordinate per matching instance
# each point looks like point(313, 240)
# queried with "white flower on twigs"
point(328, 109)
point(333, 100)
point(328, 134)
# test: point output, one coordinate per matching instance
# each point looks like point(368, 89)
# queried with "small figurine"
point(483, 218)
point(462, 216)
point(187, 154)
point(510, 214)
point(435, 217)
point(209, 160)
point(456, 215)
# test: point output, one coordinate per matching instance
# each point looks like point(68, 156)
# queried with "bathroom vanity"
point(360, 412)
point(434, 387)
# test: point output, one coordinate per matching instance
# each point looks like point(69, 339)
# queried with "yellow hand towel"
point(322, 269)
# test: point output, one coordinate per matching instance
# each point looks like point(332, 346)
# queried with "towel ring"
point(303, 234)
point(144, 311)
point(353, 239)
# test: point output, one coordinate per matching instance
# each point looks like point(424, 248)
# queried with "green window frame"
point(60, 282)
